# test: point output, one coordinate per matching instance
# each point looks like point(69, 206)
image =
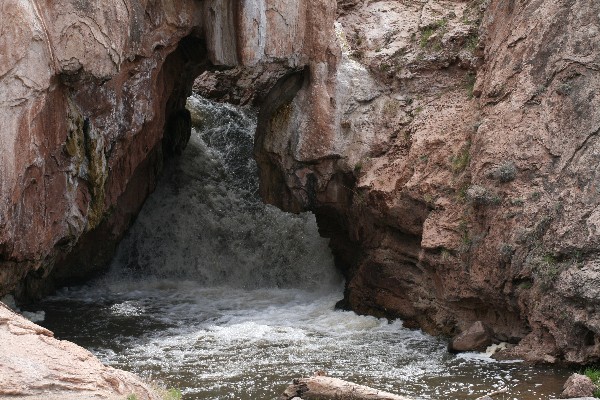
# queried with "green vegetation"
point(506, 251)
point(173, 394)
point(472, 42)
point(547, 269)
point(482, 196)
point(517, 201)
point(86, 148)
point(132, 397)
point(462, 192)
point(460, 161)
point(470, 84)
point(505, 172)
point(384, 67)
point(430, 30)
point(445, 254)
point(391, 107)
point(549, 259)
point(358, 167)
point(535, 196)
point(594, 375)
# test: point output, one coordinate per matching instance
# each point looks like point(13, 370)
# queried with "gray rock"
point(578, 386)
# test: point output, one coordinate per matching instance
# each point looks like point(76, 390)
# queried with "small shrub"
point(564, 89)
point(173, 394)
point(594, 375)
point(549, 259)
point(517, 201)
point(132, 397)
point(384, 67)
point(472, 42)
point(429, 30)
point(547, 270)
point(505, 172)
point(460, 161)
point(470, 84)
point(477, 194)
point(446, 255)
point(358, 167)
point(535, 196)
point(506, 251)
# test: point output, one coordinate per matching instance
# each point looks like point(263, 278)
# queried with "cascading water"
point(226, 298)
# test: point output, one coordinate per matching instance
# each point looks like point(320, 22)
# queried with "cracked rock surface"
point(459, 181)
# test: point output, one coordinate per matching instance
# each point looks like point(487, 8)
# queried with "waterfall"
point(206, 223)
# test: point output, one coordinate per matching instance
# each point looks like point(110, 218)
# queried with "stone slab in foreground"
point(324, 388)
point(35, 365)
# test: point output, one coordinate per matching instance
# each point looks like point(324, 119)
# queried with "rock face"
point(35, 365)
point(457, 174)
point(92, 101)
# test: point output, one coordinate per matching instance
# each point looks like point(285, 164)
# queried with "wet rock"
point(476, 338)
point(578, 386)
point(33, 364)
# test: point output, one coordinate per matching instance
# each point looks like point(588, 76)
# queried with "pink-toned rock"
point(475, 338)
point(578, 386)
point(92, 100)
point(35, 365)
point(459, 180)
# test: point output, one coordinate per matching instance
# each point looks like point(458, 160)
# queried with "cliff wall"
point(458, 180)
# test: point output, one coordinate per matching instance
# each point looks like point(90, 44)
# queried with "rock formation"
point(35, 365)
point(457, 177)
point(93, 100)
point(447, 147)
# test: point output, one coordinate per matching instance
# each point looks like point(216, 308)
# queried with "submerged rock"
point(33, 364)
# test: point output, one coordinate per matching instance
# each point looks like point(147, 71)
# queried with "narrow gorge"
point(431, 164)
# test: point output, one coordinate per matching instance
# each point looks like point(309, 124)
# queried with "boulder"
point(35, 365)
point(578, 386)
point(477, 338)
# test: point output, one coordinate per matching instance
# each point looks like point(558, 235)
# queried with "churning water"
point(223, 297)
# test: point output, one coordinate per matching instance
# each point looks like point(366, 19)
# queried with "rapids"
point(223, 297)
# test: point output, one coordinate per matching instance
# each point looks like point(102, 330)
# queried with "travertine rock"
point(458, 182)
point(35, 365)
